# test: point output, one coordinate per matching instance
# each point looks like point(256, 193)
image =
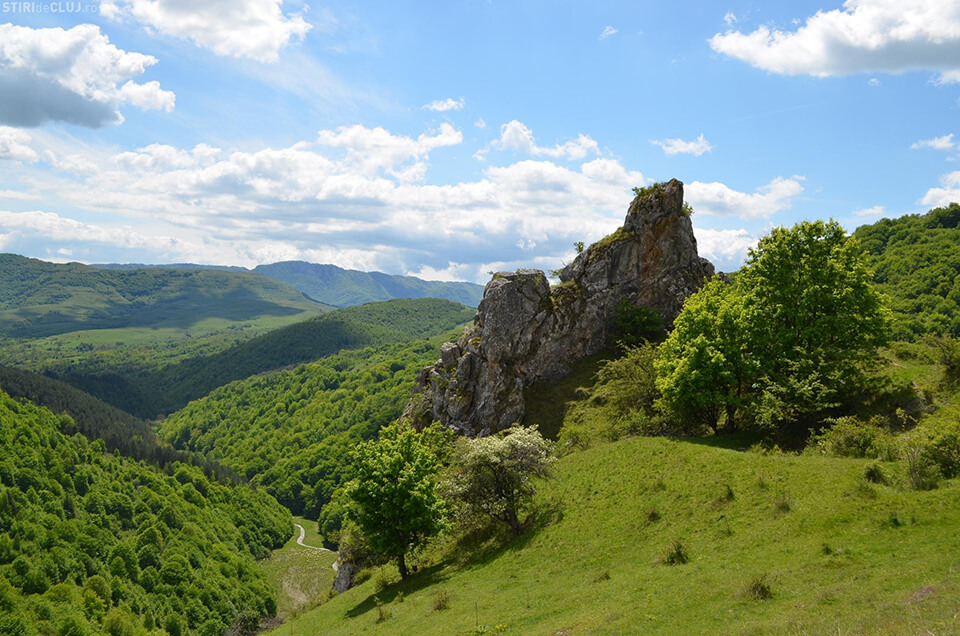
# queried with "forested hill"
point(345, 287)
point(916, 263)
point(39, 299)
point(171, 387)
point(94, 543)
point(95, 419)
point(292, 431)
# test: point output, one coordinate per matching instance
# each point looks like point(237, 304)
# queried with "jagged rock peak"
point(525, 331)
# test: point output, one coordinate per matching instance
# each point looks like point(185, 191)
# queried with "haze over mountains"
point(340, 287)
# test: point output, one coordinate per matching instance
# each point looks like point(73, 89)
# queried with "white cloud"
point(443, 105)
point(607, 32)
point(876, 210)
point(480, 123)
point(374, 149)
point(255, 29)
point(72, 76)
point(730, 18)
point(514, 135)
point(865, 36)
point(947, 193)
point(15, 145)
point(678, 146)
point(937, 143)
point(56, 228)
point(725, 248)
point(717, 198)
point(873, 81)
point(16, 195)
point(358, 198)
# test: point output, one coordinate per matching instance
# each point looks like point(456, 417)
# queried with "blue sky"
point(449, 139)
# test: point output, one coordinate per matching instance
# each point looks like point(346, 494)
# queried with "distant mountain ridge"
point(39, 298)
point(340, 287)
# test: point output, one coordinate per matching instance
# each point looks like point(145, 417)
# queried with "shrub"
point(922, 473)
point(758, 589)
point(441, 600)
point(874, 474)
point(677, 554)
point(853, 437)
point(782, 503)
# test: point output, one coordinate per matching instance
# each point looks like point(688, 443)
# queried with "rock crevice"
point(525, 331)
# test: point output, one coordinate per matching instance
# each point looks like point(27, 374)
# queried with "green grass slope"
point(837, 554)
point(345, 287)
point(40, 299)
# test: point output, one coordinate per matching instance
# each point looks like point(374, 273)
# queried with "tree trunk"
point(402, 566)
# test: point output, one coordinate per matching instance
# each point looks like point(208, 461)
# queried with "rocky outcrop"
point(525, 331)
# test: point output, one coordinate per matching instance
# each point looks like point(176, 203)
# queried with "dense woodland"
point(292, 431)
point(91, 540)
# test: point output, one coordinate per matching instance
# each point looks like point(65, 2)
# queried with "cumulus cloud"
point(373, 149)
point(443, 105)
point(947, 193)
point(56, 228)
point(865, 36)
point(356, 197)
point(876, 210)
point(607, 32)
point(717, 198)
point(678, 146)
point(937, 143)
point(15, 145)
point(72, 76)
point(480, 123)
point(730, 18)
point(725, 248)
point(515, 136)
point(255, 29)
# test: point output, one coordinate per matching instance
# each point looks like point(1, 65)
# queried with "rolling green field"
point(835, 553)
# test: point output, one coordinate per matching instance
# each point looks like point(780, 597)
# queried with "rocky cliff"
point(525, 331)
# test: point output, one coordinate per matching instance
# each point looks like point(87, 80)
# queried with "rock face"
point(525, 331)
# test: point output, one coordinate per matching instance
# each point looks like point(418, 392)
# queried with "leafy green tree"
point(812, 317)
point(785, 342)
point(705, 366)
point(494, 476)
point(394, 497)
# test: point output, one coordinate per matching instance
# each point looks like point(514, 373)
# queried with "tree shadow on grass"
point(422, 579)
point(480, 547)
point(732, 441)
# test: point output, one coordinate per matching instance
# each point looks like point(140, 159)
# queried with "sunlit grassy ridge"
point(838, 554)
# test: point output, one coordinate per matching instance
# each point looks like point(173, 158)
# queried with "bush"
point(759, 589)
point(853, 437)
point(922, 473)
point(441, 600)
point(677, 555)
point(874, 474)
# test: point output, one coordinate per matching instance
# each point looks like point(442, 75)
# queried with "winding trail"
point(300, 542)
point(303, 533)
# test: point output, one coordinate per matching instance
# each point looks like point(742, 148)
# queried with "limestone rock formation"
point(525, 331)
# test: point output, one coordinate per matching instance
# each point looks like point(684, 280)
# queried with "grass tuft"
point(758, 589)
point(677, 554)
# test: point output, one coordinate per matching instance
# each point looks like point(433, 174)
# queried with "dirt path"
point(300, 542)
point(303, 533)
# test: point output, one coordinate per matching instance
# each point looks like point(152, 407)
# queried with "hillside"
point(168, 388)
point(345, 287)
point(291, 431)
point(92, 542)
point(39, 299)
point(836, 554)
point(916, 263)
point(97, 420)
